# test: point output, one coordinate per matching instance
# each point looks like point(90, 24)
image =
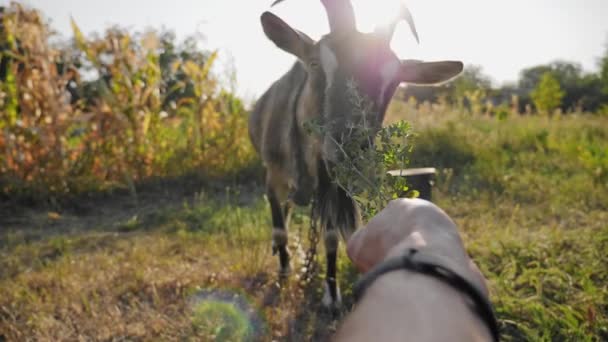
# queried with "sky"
point(502, 37)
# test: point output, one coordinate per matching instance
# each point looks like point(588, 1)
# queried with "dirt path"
point(109, 212)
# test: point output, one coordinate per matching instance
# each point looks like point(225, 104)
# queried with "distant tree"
point(471, 79)
point(581, 90)
point(471, 89)
point(509, 95)
point(548, 95)
point(590, 95)
point(468, 90)
point(604, 71)
point(529, 78)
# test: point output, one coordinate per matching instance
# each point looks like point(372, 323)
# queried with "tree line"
point(560, 85)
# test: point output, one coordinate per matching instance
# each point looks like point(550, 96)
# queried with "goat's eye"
point(314, 64)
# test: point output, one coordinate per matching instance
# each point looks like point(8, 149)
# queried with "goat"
point(298, 164)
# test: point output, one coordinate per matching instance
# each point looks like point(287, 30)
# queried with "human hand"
point(412, 223)
point(402, 305)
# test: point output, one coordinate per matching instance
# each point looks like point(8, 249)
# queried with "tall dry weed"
point(100, 113)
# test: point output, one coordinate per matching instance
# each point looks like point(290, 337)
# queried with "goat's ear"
point(429, 73)
point(285, 37)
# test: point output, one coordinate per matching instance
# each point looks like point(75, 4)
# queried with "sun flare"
point(371, 13)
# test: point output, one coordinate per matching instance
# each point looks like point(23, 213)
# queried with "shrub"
point(547, 96)
point(362, 173)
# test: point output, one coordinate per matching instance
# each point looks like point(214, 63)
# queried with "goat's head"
point(347, 63)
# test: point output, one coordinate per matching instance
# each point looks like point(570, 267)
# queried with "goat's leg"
point(332, 298)
point(287, 208)
point(279, 231)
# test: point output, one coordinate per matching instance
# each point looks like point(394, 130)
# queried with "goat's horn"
point(404, 14)
point(340, 14)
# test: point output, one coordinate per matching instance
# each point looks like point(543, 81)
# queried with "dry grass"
point(128, 278)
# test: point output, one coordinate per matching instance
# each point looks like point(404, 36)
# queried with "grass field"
point(192, 261)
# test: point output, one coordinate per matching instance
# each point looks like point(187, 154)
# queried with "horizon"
point(566, 33)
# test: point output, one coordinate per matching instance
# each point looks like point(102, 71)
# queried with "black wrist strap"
point(415, 261)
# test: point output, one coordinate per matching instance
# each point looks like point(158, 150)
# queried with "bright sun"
point(371, 13)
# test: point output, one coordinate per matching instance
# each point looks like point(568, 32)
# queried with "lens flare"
point(226, 315)
point(372, 13)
